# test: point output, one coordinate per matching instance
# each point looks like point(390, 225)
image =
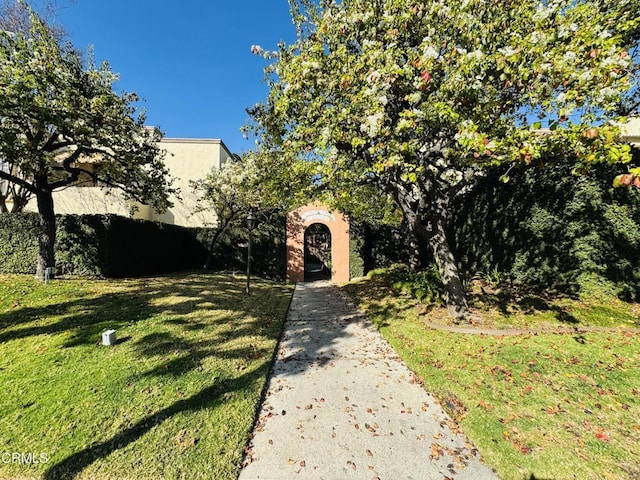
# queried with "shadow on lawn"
point(377, 292)
point(507, 301)
point(169, 341)
point(503, 299)
point(88, 316)
point(71, 466)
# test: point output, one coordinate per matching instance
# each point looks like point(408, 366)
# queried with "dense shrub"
point(268, 257)
point(424, 285)
point(101, 245)
point(549, 229)
point(376, 246)
point(18, 242)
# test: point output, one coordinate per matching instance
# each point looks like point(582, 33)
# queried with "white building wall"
point(186, 160)
point(190, 160)
point(631, 131)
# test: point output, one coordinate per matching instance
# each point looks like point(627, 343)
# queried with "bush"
point(269, 257)
point(101, 245)
point(424, 285)
point(19, 242)
point(549, 229)
point(376, 246)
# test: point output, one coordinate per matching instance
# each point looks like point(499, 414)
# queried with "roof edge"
point(194, 141)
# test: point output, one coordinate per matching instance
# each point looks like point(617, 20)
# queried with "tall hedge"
point(101, 245)
point(546, 229)
point(550, 229)
point(18, 242)
point(268, 257)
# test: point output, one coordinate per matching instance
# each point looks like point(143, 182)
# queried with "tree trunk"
point(435, 233)
point(47, 238)
point(415, 209)
point(212, 244)
point(214, 240)
point(415, 260)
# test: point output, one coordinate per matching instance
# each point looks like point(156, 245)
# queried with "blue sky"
point(190, 61)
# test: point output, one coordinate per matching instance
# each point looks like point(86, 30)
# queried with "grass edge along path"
point(174, 398)
point(550, 406)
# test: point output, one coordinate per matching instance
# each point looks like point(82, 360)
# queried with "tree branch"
point(18, 181)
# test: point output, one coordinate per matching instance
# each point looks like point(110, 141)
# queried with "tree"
point(62, 123)
point(627, 27)
point(416, 98)
point(230, 192)
point(15, 16)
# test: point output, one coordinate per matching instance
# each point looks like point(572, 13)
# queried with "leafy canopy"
point(61, 121)
point(416, 98)
point(401, 90)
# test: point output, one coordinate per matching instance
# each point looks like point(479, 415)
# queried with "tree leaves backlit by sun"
point(416, 98)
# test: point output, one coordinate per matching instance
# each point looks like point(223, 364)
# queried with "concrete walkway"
point(341, 405)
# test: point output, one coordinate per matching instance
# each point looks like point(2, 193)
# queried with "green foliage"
point(268, 249)
point(356, 260)
point(101, 246)
point(230, 191)
point(376, 245)
point(550, 229)
point(407, 101)
point(78, 244)
point(425, 286)
point(62, 123)
point(18, 242)
point(73, 116)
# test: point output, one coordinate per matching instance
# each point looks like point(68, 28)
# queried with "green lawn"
point(174, 398)
point(538, 406)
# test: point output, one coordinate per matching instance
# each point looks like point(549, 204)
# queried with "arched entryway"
point(324, 229)
point(317, 253)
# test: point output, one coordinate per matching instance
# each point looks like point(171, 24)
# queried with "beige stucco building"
point(631, 131)
point(187, 159)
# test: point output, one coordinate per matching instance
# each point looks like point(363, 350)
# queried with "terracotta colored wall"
point(298, 221)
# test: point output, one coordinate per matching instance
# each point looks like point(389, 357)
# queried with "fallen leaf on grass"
point(525, 449)
point(554, 410)
point(526, 390)
point(582, 455)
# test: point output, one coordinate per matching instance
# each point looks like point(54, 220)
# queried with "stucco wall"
point(297, 223)
point(189, 159)
point(186, 159)
point(631, 131)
